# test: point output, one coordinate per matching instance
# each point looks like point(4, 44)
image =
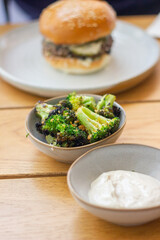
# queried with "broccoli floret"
point(43, 110)
point(80, 100)
point(66, 103)
point(52, 123)
point(60, 132)
point(51, 140)
point(116, 111)
point(97, 126)
point(63, 127)
point(105, 106)
point(106, 101)
point(70, 116)
point(71, 136)
point(88, 102)
point(66, 135)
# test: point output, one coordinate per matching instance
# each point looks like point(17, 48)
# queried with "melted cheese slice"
point(89, 49)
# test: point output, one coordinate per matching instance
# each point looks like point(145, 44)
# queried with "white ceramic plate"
point(134, 54)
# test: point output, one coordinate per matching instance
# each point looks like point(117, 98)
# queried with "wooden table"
point(34, 199)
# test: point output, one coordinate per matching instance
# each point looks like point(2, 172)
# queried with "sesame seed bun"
point(78, 66)
point(77, 21)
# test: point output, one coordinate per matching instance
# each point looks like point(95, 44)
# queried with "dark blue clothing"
point(135, 7)
point(122, 7)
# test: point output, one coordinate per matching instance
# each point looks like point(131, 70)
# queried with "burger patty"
point(64, 51)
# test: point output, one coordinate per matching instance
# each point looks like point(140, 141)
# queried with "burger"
point(77, 35)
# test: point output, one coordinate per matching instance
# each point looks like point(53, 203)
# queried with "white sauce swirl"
point(125, 190)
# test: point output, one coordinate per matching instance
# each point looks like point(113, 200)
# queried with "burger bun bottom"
point(78, 66)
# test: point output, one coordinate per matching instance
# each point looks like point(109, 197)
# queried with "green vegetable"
point(27, 135)
point(50, 139)
point(76, 121)
point(97, 126)
point(105, 106)
point(43, 110)
point(60, 132)
point(71, 136)
point(66, 135)
point(80, 100)
point(51, 125)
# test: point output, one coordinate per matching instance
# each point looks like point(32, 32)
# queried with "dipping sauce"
point(125, 190)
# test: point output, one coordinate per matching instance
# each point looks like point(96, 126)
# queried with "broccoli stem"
point(94, 116)
point(106, 101)
point(109, 100)
point(97, 126)
point(84, 119)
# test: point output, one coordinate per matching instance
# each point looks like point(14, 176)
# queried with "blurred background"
point(17, 11)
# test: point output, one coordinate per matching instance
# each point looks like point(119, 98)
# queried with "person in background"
point(23, 10)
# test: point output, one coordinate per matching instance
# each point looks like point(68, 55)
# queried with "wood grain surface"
point(43, 208)
point(148, 90)
point(20, 157)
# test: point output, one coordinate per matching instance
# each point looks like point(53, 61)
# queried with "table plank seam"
point(32, 175)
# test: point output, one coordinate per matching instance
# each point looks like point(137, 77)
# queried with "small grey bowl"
point(67, 155)
point(87, 168)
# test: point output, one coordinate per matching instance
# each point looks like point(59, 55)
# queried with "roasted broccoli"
point(61, 126)
point(105, 106)
point(63, 134)
point(76, 121)
point(64, 107)
point(65, 103)
point(43, 110)
point(97, 126)
point(52, 123)
point(81, 100)
point(71, 136)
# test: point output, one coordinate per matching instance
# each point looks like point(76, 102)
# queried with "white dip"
point(124, 189)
